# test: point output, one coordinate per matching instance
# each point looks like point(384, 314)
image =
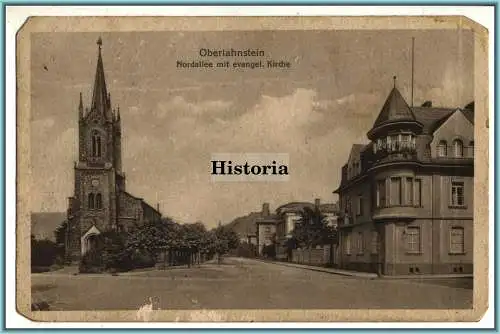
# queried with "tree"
point(311, 230)
point(43, 253)
point(225, 239)
point(60, 236)
point(153, 237)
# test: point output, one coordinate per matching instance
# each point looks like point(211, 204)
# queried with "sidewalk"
point(324, 269)
point(365, 275)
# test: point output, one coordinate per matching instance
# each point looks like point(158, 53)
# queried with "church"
point(100, 201)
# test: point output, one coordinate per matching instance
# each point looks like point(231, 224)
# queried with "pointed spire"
point(394, 78)
point(395, 108)
point(100, 94)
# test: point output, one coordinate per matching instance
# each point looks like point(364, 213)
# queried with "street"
point(243, 284)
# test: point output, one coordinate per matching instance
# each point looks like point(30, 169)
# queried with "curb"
point(367, 275)
point(320, 269)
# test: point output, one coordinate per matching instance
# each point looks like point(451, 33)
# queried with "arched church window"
point(91, 203)
point(442, 148)
point(96, 144)
point(458, 148)
point(98, 201)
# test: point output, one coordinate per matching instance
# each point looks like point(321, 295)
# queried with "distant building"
point(44, 224)
point(266, 228)
point(100, 202)
point(406, 198)
point(277, 228)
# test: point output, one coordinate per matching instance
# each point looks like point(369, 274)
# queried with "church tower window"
point(96, 144)
point(98, 201)
point(91, 203)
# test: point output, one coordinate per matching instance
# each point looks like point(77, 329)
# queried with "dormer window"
point(458, 148)
point(442, 149)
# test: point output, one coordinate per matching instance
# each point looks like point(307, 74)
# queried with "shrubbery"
point(43, 255)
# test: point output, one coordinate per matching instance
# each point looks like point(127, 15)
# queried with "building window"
point(409, 191)
point(98, 201)
point(457, 240)
point(347, 244)
point(458, 148)
point(395, 191)
point(375, 243)
point(413, 239)
point(471, 148)
point(359, 209)
point(360, 245)
point(381, 199)
point(442, 148)
point(457, 193)
point(90, 201)
point(96, 144)
point(417, 197)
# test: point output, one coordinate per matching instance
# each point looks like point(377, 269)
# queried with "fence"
point(315, 256)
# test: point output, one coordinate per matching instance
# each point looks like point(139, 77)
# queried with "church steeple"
point(100, 97)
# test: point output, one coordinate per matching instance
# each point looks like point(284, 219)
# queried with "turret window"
point(96, 144)
point(395, 143)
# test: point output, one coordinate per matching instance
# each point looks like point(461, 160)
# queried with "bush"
point(43, 253)
point(91, 262)
point(141, 260)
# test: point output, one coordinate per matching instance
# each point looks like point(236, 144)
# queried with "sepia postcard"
point(252, 169)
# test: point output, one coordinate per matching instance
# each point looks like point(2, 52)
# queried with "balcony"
point(395, 151)
point(395, 212)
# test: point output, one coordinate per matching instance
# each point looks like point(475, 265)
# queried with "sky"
point(174, 119)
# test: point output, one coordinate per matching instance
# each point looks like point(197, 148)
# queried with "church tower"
point(98, 171)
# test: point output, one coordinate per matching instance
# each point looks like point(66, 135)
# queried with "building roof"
point(294, 206)
point(143, 202)
point(395, 109)
point(44, 224)
point(272, 218)
point(329, 207)
point(432, 118)
point(356, 149)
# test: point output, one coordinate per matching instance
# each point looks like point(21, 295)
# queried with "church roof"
point(100, 101)
point(395, 109)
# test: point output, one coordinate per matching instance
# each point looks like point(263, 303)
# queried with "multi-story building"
point(100, 202)
point(406, 197)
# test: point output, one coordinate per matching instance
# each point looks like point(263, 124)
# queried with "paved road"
point(242, 284)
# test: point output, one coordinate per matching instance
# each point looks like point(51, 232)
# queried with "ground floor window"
point(413, 239)
point(457, 240)
point(347, 244)
point(360, 245)
point(375, 242)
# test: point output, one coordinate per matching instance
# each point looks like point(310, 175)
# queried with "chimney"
point(265, 209)
point(158, 207)
point(317, 202)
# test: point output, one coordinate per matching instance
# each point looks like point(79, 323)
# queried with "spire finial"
point(394, 78)
point(99, 42)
